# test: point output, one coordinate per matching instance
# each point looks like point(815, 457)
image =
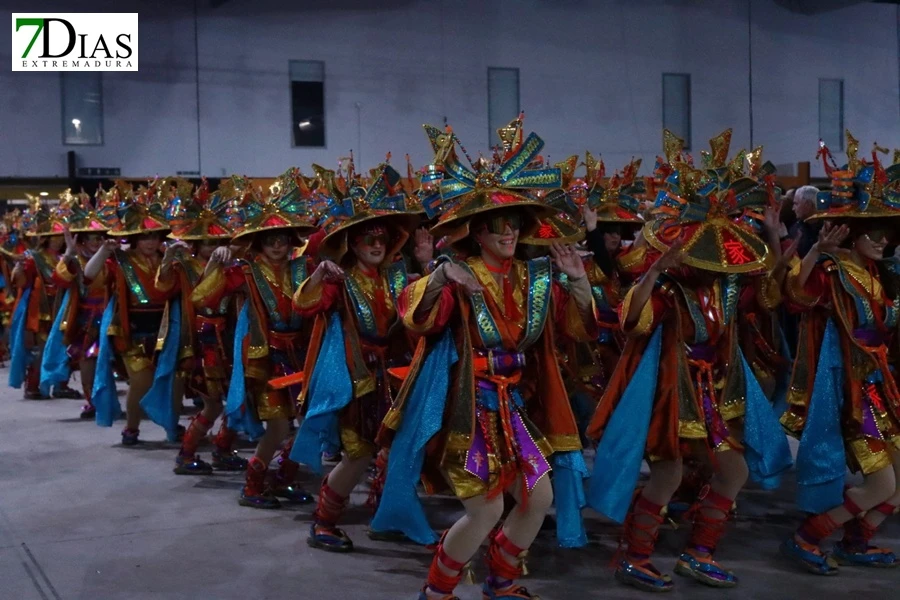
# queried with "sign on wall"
point(75, 41)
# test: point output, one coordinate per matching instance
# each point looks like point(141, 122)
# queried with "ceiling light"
point(44, 194)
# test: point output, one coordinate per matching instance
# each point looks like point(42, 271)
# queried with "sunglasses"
point(276, 240)
point(371, 239)
point(876, 237)
point(92, 238)
point(499, 223)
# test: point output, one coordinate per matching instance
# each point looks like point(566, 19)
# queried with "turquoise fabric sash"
point(569, 473)
point(821, 462)
point(19, 356)
point(157, 402)
point(55, 361)
point(766, 448)
point(104, 395)
point(400, 508)
point(330, 390)
point(241, 417)
point(617, 464)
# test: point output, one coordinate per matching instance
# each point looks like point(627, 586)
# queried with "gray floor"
point(83, 518)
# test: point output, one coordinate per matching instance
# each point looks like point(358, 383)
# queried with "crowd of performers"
point(472, 327)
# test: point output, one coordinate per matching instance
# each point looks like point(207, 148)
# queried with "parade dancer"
point(682, 387)
point(36, 302)
point(136, 305)
point(76, 335)
point(844, 396)
point(203, 222)
point(271, 338)
point(485, 386)
point(354, 292)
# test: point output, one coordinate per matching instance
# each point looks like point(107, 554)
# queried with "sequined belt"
point(498, 362)
point(701, 352)
point(373, 353)
point(286, 341)
point(89, 302)
point(204, 322)
point(869, 337)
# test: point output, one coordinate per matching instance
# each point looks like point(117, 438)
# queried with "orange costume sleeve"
point(309, 302)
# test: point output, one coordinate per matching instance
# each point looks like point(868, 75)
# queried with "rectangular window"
point(503, 100)
point(831, 113)
point(308, 102)
point(82, 108)
point(677, 105)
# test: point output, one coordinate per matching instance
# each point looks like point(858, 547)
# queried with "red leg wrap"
point(330, 506)
point(378, 481)
point(852, 507)
point(32, 379)
point(195, 433)
point(438, 580)
point(256, 477)
point(224, 440)
point(817, 527)
point(642, 528)
point(710, 517)
point(886, 508)
point(498, 565)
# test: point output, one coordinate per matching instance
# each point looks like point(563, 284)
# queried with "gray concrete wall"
point(590, 79)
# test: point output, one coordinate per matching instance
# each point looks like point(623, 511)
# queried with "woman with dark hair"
point(844, 395)
point(484, 410)
point(353, 295)
point(270, 341)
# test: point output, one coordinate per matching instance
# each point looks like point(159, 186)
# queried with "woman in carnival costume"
point(357, 336)
point(134, 315)
point(682, 384)
point(472, 401)
point(75, 337)
point(270, 340)
point(12, 251)
point(608, 210)
point(844, 396)
point(36, 302)
point(202, 222)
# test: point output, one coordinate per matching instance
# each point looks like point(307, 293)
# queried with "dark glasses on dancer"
point(371, 239)
point(92, 238)
point(877, 237)
point(277, 239)
point(498, 223)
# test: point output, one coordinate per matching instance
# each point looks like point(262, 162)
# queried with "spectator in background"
point(805, 205)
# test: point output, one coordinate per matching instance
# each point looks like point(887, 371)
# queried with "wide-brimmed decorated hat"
point(366, 205)
point(11, 244)
point(86, 214)
point(204, 215)
point(618, 200)
point(697, 206)
point(286, 206)
point(563, 226)
point(860, 189)
point(508, 181)
point(40, 219)
point(141, 211)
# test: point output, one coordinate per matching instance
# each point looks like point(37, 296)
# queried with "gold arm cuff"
point(62, 271)
point(416, 292)
point(308, 296)
point(458, 442)
point(559, 443)
point(164, 283)
point(796, 292)
point(644, 324)
point(211, 286)
point(575, 327)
